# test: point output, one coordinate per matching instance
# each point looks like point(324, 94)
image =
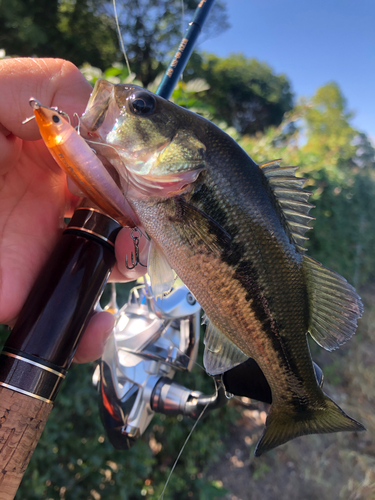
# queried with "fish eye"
point(142, 103)
point(56, 118)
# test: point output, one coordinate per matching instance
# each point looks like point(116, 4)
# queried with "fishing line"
point(189, 357)
point(120, 37)
point(182, 28)
point(117, 154)
point(182, 449)
point(252, 406)
point(151, 295)
point(182, 17)
point(78, 126)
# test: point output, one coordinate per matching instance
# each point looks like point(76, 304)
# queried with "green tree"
point(339, 164)
point(344, 230)
point(78, 30)
point(151, 30)
point(330, 136)
point(244, 92)
point(84, 30)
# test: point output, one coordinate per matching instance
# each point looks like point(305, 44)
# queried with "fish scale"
point(233, 231)
point(217, 297)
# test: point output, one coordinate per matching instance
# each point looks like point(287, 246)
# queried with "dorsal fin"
point(291, 197)
point(334, 305)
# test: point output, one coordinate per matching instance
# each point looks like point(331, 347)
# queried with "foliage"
point(339, 164)
point(117, 73)
point(151, 29)
point(78, 30)
point(194, 93)
point(85, 31)
point(74, 460)
point(189, 94)
point(245, 93)
point(330, 145)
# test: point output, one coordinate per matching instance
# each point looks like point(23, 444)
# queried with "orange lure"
point(80, 163)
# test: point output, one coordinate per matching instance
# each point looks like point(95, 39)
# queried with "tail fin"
point(282, 426)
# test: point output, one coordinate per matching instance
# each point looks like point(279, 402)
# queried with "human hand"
point(34, 198)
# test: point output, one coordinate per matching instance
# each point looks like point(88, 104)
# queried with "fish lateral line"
point(262, 268)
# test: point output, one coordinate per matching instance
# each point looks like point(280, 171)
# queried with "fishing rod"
point(41, 346)
point(185, 49)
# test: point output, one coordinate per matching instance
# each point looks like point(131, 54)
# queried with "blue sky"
point(312, 42)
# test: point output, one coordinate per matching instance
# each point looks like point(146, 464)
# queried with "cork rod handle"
point(22, 420)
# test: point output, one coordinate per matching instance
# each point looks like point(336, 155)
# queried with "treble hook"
point(135, 261)
point(35, 104)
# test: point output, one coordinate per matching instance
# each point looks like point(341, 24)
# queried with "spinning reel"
point(151, 341)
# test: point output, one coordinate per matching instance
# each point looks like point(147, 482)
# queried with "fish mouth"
point(105, 107)
point(93, 124)
point(97, 106)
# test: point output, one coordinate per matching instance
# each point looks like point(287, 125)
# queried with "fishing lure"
point(80, 163)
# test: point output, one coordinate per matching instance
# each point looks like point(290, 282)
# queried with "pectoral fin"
point(200, 230)
point(334, 305)
point(220, 354)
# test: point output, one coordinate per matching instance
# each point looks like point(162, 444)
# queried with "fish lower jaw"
point(138, 187)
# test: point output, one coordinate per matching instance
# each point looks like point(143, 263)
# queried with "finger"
point(91, 345)
point(10, 150)
point(124, 247)
point(74, 188)
point(54, 82)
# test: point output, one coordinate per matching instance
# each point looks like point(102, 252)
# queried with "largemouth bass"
point(233, 231)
